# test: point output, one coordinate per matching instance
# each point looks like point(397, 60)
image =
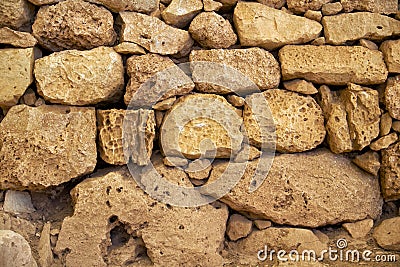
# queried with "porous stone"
point(210, 5)
point(376, 6)
point(384, 142)
point(160, 77)
point(153, 34)
point(330, 9)
point(211, 30)
point(128, 48)
point(167, 232)
point(16, 38)
point(300, 86)
point(368, 44)
point(314, 15)
point(15, 250)
point(392, 97)
point(387, 234)
point(335, 65)
point(301, 6)
point(306, 199)
point(278, 4)
point(302, 113)
point(142, 6)
point(44, 247)
point(359, 229)
point(263, 26)
point(391, 53)
point(369, 162)
point(15, 73)
point(16, 14)
point(165, 104)
point(195, 118)
point(350, 27)
point(80, 77)
point(390, 172)
point(69, 16)
point(262, 224)
point(238, 227)
point(46, 146)
point(18, 202)
point(256, 64)
point(180, 13)
point(199, 169)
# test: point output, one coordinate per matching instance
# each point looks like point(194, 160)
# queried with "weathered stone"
point(211, 30)
point(238, 227)
point(29, 97)
point(199, 169)
point(15, 250)
point(198, 117)
point(160, 77)
point(227, 4)
point(247, 153)
point(350, 27)
point(319, 41)
point(167, 232)
point(314, 15)
point(336, 65)
point(44, 247)
point(330, 9)
point(396, 126)
point(300, 86)
point(368, 44)
point(175, 161)
point(263, 26)
point(40, 101)
point(392, 97)
point(165, 104)
point(376, 6)
point(59, 27)
point(278, 4)
point(258, 65)
point(390, 172)
point(128, 48)
point(391, 53)
point(359, 229)
point(369, 162)
point(301, 6)
point(80, 77)
point(15, 73)
point(154, 35)
point(16, 38)
point(16, 14)
point(180, 13)
point(46, 146)
point(262, 224)
point(302, 113)
point(384, 142)
point(44, 2)
point(387, 234)
point(18, 202)
point(235, 100)
point(337, 128)
point(210, 5)
point(306, 199)
point(142, 6)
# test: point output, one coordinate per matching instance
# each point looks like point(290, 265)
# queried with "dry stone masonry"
point(271, 124)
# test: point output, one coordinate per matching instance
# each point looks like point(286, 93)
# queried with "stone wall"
point(119, 117)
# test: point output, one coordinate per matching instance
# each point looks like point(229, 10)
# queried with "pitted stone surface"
point(376, 6)
point(16, 14)
point(180, 13)
point(390, 172)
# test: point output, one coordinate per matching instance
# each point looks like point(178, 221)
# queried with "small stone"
point(321, 236)
point(385, 124)
point(44, 247)
point(16, 14)
point(368, 44)
point(301, 6)
point(40, 101)
point(211, 30)
point(319, 41)
point(159, 118)
point(390, 172)
point(330, 9)
point(29, 97)
point(15, 250)
point(396, 126)
point(16, 38)
point(376, 6)
point(210, 5)
point(80, 77)
point(278, 4)
point(315, 63)
point(300, 86)
point(387, 234)
point(369, 162)
point(175, 161)
point(392, 97)
point(59, 26)
point(391, 53)
point(238, 227)
point(359, 229)
point(127, 48)
point(248, 153)
point(199, 169)
point(142, 6)
point(180, 13)
point(314, 15)
point(235, 100)
point(165, 104)
point(44, 2)
point(269, 28)
point(262, 224)
point(18, 202)
point(361, 25)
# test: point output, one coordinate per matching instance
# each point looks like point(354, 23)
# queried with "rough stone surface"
point(384, 142)
point(391, 53)
point(153, 34)
point(44, 2)
point(376, 6)
point(238, 227)
point(201, 117)
point(80, 77)
point(180, 13)
point(258, 65)
point(211, 30)
point(387, 234)
point(129, 49)
point(15, 73)
point(15, 250)
point(298, 119)
point(142, 6)
point(210, 5)
point(306, 199)
point(262, 224)
point(53, 144)
point(300, 86)
point(69, 16)
point(263, 26)
point(167, 232)
point(301, 6)
point(390, 172)
point(44, 247)
point(314, 15)
point(359, 229)
point(18, 202)
point(350, 27)
point(392, 97)
point(16, 38)
point(396, 126)
point(247, 153)
point(278, 4)
point(385, 124)
point(368, 44)
point(330, 9)
point(235, 100)
point(336, 65)
point(199, 169)
point(165, 104)
point(16, 14)
point(175, 161)
point(369, 162)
